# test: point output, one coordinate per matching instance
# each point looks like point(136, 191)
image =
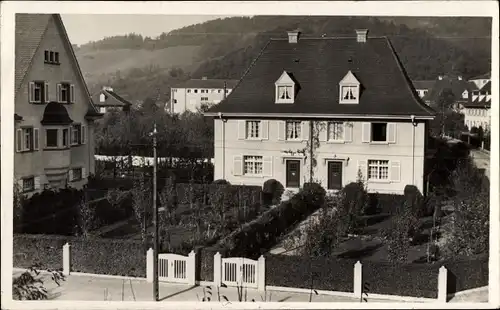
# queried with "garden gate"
point(239, 271)
point(176, 268)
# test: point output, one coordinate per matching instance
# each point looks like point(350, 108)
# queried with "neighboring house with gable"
point(54, 113)
point(460, 88)
point(191, 94)
point(352, 94)
point(423, 87)
point(477, 112)
point(107, 100)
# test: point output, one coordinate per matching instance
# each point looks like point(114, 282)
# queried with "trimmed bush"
point(414, 200)
point(221, 181)
point(467, 273)
point(257, 236)
point(272, 191)
point(320, 273)
point(357, 198)
point(29, 250)
point(385, 203)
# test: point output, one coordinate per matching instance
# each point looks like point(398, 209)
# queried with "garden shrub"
point(414, 200)
point(221, 181)
point(272, 191)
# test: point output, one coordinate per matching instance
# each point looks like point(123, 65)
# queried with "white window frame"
point(78, 133)
point(293, 130)
point(37, 85)
point(378, 164)
point(386, 133)
point(27, 139)
point(68, 137)
point(341, 137)
point(290, 90)
point(253, 133)
point(253, 161)
point(354, 92)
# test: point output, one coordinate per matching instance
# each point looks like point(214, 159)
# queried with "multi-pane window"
point(51, 57)
point(379, 132)
point(252, 165)
point(77, 134)
point(204, 98)
point(77, 174)
point(285, 92)
point(65, 93)
point(38, 92)
point(26, 139)
point(28, 184)
point(293, 130)
point(335, 131)
point(202, 91)
point(349, 92)
point(378, 169)
point(253, 129)
point(51, 138)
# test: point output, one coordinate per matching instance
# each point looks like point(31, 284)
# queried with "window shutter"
point(391, 135)
point(58, 92)
point(70, 175)
point(305, 130)
point(31, 92)
point(84, 134)
point(46, 92)
point(237, 165)
point(242, 129)
point(84, 173)
point(282, 130)
point(395, 171)
point(264, 130)
point(362, 168)
point(19, 140)
point(37, 182)
point(36, 138)
point(267, 166)
point(323, 131)
point(348, 132)
point(72, 93)
point(366, 132)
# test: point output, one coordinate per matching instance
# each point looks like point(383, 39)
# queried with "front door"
point(293, 173)
point(335, 175)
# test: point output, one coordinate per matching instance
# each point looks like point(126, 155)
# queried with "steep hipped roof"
point(318, 65)
point(456, 85)
point(112, 99)
point(207, 83)
point(30, 30)
point(487, 87)
point(424, 84)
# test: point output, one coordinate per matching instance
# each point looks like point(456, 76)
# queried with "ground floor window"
point(252, 165)
point(28, 184)
point(378, 170)
point(76, 174)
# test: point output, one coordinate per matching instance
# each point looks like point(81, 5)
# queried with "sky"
point(91, 27)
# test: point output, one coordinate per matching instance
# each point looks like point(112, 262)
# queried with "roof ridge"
point(408, 81)
point(329, 38)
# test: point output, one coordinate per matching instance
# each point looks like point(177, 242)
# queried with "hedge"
point(99, 256)
point(467, 273)
point(183, 194)
point(296, 271)
point(256, 237)
point(417, 280)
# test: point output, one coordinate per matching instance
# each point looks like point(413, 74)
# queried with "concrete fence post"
point(66, 259)
point(358, 279)
point(217, 269)
point(149, 266)
point(191, 268)
point(261, 276)
point(443, 284)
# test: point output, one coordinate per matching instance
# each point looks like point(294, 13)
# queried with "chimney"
point(459, 78)
point(293, 36)
point(204, 78)
point(440, 77)
point(361, 35)
point(107, 88)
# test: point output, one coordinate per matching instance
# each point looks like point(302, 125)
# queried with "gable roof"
point(318, 65)
point(30, 30)
point(456, 85)
point(112, 99)
point(486, 87)
point(485, 76)
point(207, 83)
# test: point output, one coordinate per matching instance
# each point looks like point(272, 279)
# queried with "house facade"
point(293, 97)
point(477, 112)
point(54, 113)
point(107, 100)
point(190, 95)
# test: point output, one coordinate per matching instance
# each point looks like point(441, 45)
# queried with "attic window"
point(349, 89)
point(285, 89)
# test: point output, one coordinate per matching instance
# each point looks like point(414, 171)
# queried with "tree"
point(30, 285)
point(167, 218)
point(86, 218)
point(141, 203)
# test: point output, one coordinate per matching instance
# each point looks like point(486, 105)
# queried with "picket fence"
point(245, 272)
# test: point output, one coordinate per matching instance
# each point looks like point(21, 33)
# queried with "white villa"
point(353, 97)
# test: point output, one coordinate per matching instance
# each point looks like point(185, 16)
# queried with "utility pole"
point(311, 142)
point(155, 221)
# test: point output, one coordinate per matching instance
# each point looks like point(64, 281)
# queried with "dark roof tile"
point(318, 65)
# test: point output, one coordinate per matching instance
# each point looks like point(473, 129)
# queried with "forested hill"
point(224, 48)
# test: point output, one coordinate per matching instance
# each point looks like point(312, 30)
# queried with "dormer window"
point(285, 89)
point(349, 89)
